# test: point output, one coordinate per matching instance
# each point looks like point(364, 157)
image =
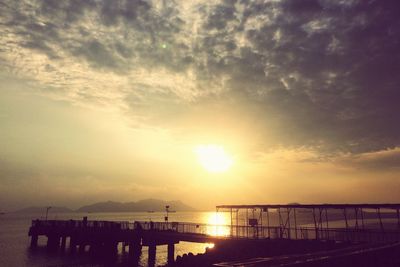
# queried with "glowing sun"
point(213, 158)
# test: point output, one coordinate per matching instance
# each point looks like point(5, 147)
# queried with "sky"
point(113, 100)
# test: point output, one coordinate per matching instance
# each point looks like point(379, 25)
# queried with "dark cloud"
point(315, 73)
point(326, 70)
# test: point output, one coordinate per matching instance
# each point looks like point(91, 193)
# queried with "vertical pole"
point(47, 211)
point(398, 218)
point(231, 223)
point(362, 218)
point(63, 242)
point(288, 221)
point(72, 244)
point(327, 223)
point(380, 219)
point(295, 222)
point(253, 227)
point(237, 222)
point(135, 248)
point(356, 213)
point(280, 223)
point(152, 255)
point(81, 247)
point(262, 226)
point(320, 224)
point(171, 254)
point(34, 241)
point(269, 230)
point(131, 249)
point(326, 218)
point(247, 223)
point(216, 220)
point(315, 224)
point(347, 224)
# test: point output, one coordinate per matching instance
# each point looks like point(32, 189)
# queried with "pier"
point(253, 225)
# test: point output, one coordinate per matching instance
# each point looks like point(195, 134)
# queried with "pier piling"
point(152, 254)
point(53, 242)
point(34, 241)
point(63, 242)
point(171, 253)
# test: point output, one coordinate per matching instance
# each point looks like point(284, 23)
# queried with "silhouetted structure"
point(251, 223)
point(254, 220)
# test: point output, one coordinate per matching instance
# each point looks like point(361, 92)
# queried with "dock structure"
point(247, 222)
point(361, 222)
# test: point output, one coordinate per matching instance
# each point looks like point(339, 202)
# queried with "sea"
point(15, 243)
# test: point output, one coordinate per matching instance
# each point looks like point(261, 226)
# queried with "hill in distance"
point(142, 205)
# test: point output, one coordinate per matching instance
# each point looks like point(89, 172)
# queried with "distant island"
point(113, 206)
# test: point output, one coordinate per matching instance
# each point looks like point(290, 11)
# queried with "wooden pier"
point(103, 237)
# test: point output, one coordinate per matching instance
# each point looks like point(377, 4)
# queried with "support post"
point(280, 223)
point(295, 222)
point(34, 241)
point(345, 218)
point(72, 245)
point(237, 222)
point(231, 223)
point(356, 215)
point(327, 223)
point(53, 242)
point(269, 230)
point(315, 224)
point(135, 248)
point(288, 222)
point(380, 220)
point(347, 224)
point(124, 244)
point(131, 249)
point(362, 219)
point(81, 247)
point(247, 223)
point(216, 219)
point(171, 253)
point(152, 255)
point(63, 242)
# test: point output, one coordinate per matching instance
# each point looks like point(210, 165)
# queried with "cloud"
point(320, 74)
point(386, 161)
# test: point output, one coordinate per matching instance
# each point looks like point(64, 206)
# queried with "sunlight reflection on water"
point(218, 223)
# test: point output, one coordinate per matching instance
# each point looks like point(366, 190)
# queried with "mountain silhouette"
point(142, 205)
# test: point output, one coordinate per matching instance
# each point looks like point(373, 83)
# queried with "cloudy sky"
point(111, 99)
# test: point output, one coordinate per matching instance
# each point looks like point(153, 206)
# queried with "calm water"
point(14, 240)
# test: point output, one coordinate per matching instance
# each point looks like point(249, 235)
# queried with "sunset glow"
point(213, 158)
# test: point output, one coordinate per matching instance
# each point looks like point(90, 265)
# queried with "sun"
point(213, 158)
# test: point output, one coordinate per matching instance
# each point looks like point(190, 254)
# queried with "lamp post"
point(47, 211)
point(167, 211)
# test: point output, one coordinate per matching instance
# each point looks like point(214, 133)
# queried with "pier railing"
point(276, 232)
point(123, 225)
point(232, 232)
